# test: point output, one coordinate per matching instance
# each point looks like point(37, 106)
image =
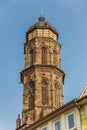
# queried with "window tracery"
point(31, 56)
point(57, 93)
point(44, 91)
point(54, 57)
point(44, 55)
point(29, 93)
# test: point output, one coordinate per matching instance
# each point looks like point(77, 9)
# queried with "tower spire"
point(18, 121)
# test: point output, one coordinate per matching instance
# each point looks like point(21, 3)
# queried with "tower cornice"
point(52, 67)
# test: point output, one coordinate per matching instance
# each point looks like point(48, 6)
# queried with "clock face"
point(42, 33)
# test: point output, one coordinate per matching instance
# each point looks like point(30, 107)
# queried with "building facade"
point(66, 117)
point(83, 108)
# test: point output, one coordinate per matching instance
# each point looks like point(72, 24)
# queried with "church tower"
point(42, 77)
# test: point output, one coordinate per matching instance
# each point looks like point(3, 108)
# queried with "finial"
point(18, 121)
point(86, 84)
point(41, 13)
point(18, 115)
point(41, 18)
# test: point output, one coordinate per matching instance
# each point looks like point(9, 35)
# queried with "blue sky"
point(69, 18)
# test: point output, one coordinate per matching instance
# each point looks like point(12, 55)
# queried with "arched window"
point(31, 93)
point(31, 57)
point(57, 93)
point(44, 55)
point(55, 57)
point(44, 92)
point(31, 101)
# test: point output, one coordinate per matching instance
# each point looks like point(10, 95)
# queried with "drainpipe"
point(78, 107)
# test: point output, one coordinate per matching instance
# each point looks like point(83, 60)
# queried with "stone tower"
point(42, 77)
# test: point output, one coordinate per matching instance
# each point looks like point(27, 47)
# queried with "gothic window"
point(44, 92)
point(31, 93)
point(26, 118)
point(31, 57)
point(55, 57)
point(57, 93)
point(31, 101)
point(44, 55)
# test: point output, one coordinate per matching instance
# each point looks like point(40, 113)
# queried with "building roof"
point(73, 103)
point(42, 24)
point(84, 92)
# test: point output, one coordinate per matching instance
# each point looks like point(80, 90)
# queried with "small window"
point(44, 128)
point(57, 125)
point(70, 121)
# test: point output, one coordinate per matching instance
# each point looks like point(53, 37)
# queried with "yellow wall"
point(84, 117)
